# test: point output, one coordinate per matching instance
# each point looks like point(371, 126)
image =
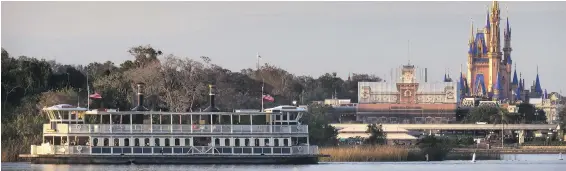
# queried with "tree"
point(435, 147)
point(482, 114)
point(529, 113)
point(320, 131)
point(377, 135)
point(562, 117)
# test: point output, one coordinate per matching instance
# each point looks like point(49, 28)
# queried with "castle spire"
point(538, 89)
point(515, 81)
point(495, 5)
point(497, 87)
point(488, 24)
point(472, 30)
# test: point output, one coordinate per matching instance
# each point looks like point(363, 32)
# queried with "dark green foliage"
point(377, 135)
point(320, 131)
point(481, 114)
point(527, 113)
point(436, 147)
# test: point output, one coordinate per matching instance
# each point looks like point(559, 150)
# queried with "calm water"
point(519, 162)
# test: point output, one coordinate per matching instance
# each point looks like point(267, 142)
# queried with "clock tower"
point(407, 88)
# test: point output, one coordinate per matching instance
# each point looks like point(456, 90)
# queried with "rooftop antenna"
point(409, 52)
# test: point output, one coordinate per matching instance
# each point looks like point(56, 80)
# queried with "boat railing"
point(167, 128)
point(172, 150)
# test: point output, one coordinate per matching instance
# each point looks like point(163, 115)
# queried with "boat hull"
point(172, 159)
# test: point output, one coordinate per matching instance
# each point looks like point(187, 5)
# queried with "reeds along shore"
point(366, 154)
point(393, 153)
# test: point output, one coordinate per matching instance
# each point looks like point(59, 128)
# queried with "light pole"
point(68, 79)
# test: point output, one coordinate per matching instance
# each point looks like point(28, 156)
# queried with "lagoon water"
point(510, 162)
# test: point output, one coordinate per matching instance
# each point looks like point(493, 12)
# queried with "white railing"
point(177, 150)
point(161, 128)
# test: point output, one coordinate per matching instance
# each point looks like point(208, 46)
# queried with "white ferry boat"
point(151, 137)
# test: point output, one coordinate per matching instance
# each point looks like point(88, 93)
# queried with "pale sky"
point(305, 38)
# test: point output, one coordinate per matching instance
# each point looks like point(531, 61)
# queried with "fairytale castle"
point(489, 66)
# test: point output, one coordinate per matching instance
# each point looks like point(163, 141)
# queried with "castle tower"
point(472, 50)
point(507, 59)
point(494, 54)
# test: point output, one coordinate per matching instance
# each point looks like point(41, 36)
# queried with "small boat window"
point(177, 142)
point(106, 142)
point(95, 142)
point(156, 142)
point(137, 142)
point(247, 142)
point(266, 142)
point(276, 142)
point(285, 142)
point(237, 142)
point(167, 142)
point(216, 142)
point(188, 142)
point(126, 142)
point(146, 142)
point(116, 142)
point(227, 142)
point(256, 142)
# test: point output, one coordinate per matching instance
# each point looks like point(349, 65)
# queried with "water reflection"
point(510, 162)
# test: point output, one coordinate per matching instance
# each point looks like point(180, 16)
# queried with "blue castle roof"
point(515, 80)
point(538, 88)
point(480, 83)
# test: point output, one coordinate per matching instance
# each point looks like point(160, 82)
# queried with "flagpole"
point(262, 81)
point(88, 91)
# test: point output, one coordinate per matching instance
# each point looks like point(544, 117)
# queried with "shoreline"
point(511, 151)
point(406, 154)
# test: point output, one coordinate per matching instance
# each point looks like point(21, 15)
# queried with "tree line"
point(173, 83)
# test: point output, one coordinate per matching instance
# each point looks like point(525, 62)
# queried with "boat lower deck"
point(173, 159)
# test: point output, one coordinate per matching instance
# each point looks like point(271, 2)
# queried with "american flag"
point(95, 96)
point(268, 97)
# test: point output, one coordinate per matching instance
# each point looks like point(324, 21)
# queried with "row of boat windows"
point(148, 150)
point(196, 142)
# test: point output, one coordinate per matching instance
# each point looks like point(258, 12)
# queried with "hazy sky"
point(305, 38)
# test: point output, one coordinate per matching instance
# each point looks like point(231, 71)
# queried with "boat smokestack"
point(212, 104)
point(140, 95)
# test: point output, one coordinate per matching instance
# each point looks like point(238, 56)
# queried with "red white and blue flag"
point(268, 98)
point(95, 96)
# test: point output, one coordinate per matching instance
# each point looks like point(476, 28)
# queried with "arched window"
point(286, 142)
point(167, 143)
point(95, 142)
point(407, 93)
point(126, 142)
point(146, 141)
point(266, 141)
point(247, 142)
point(237, 142)
point(156, 142)
point(177, 142)
point(217, 141)
point(276, 142)
point(106, 142)
point(256, 142)
point(137, 142)
point(227, 142)
point(116, 141)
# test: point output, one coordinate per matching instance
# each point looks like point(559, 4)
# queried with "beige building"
point(394, 133)
point(550, 105)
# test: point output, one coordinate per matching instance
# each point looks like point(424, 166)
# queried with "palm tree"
point(503, 118)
